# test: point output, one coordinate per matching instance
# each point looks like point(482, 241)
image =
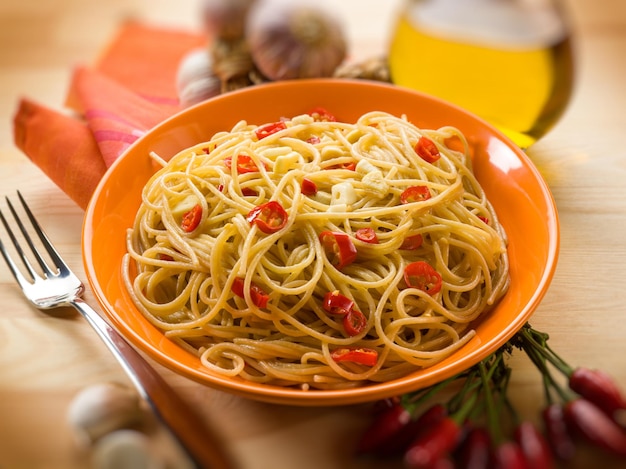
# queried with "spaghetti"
point(315, 253)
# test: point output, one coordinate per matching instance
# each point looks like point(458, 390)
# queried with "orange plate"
point(513, 184)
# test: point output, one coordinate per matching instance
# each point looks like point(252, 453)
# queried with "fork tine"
point(21, 280)
point(29, 241)
point(59, 263)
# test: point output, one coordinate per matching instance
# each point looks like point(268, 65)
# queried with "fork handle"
point(201, 444)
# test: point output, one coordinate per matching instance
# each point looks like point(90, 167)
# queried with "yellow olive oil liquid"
point(519, 84)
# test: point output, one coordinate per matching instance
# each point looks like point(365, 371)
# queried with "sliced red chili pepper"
point(349, 165)
point(413, 242)
point(415, 194)
point(269, 217)
point(320, 114)
point(362, 356)
point(339, 248)
point(245, 164)
point(258, 296)
point(308, 187)
point(423, 276)
point(313, 140)
point(246, 191)
point(367, 235)
point(534, 446)
point(557, 433)
point(427, 150)
point(191, 219)
point(433, 444)
point(598, 387)
point(354, 322)
point(336, 303)
point(485, 220)
point(595, 426)
point(269, 129)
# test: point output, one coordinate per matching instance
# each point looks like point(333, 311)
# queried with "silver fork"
point(58, 287)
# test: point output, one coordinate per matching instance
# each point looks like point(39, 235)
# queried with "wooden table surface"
point(45, 360)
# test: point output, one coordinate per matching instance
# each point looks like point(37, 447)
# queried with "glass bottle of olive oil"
point(508, 61)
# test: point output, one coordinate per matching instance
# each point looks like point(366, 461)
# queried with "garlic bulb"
point(225, 19)
point(195, 78)
point(103, 408)
point(125, 449)
point(290, 39)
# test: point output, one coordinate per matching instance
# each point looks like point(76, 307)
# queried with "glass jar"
point(508, 61)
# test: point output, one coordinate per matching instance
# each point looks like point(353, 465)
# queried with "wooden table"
point(45, 360)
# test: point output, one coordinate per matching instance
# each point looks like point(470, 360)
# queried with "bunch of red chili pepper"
point(477, 425)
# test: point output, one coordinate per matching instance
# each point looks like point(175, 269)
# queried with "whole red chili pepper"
point(509, 455)
point(433, 444)
point(557, 433)
point(598, 387)
point(534, 446)
point(417, 426)
point(387, 426)
point(475, 452)
point(595, 426)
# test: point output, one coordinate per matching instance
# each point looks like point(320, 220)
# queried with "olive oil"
point(510, 65)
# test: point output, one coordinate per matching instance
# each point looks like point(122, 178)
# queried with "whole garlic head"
point(195, 78)
point(125, 449)
point(102, 408)
point(295, 39)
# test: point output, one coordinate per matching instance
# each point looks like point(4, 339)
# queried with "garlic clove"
point(125, 449)
point(289, 40)
point(103, 408)
point(195, 78)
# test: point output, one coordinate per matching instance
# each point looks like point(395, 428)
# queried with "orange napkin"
point(130, 89)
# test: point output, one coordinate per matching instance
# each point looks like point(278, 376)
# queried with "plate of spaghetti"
point(321, 242)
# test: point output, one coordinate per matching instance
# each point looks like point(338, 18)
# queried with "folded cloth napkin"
point(130, 89)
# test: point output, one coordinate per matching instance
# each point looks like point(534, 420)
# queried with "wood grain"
point(45, 360)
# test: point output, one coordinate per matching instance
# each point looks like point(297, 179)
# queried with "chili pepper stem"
point(528, 335)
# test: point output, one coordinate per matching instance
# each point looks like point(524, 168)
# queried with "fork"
point(60, 287)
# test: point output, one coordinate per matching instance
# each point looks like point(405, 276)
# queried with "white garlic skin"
point(103, 408)
point(125, 449)
point(225, 19)
point(295, 39)
point(195, 78)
